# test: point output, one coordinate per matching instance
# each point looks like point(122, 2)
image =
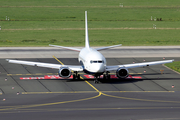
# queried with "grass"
point(175, 66)
point(102, 37)
point(91, 24)
point(43, 22)
point(90, 3)
point(94, 14)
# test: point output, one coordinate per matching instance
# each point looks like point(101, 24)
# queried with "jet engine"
point(122, 73)
point(64, 72)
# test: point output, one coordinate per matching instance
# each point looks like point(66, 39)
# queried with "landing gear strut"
point(106, 76)
point(96, 79)
point(76, 75)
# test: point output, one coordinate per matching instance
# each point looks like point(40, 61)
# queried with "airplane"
point(91, 62)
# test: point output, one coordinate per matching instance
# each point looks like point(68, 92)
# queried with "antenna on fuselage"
point(86, 32)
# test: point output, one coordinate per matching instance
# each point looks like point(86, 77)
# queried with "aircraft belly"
point(92, 73)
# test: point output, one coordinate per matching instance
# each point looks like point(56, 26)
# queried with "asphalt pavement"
point(150, 93)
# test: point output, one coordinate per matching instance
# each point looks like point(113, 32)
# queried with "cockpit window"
point(94, 61)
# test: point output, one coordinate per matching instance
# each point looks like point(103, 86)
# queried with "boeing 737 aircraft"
point(91, 62)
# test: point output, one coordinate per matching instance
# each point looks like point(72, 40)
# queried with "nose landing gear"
point(96, 80)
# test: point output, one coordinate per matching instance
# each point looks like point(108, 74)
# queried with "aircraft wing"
point(46, 65)
point(135, 65)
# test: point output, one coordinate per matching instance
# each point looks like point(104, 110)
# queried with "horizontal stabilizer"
point(69, 48)
point(103, 48)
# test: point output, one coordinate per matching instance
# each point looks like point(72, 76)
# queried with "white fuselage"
point(92, 61)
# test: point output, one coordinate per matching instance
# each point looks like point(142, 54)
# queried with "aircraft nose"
point(100, 68)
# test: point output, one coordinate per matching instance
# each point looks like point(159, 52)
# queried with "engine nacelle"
point(122, 72)
point(64, 72)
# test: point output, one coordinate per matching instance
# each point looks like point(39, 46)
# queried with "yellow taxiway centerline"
point(58, 60)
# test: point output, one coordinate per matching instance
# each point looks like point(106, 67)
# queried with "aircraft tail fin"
point(86, 32)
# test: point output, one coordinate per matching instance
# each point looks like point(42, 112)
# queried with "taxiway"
point(155, 96)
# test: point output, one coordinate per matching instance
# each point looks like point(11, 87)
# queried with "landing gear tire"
point(74, 76)
point(104, 77)
point(96, 81)
point(78, 77)
point(107, 75)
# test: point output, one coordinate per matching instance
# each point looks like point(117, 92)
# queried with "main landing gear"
point(76, 75)
point(106, 76)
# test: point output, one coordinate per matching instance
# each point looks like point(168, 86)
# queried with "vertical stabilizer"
point(86, 32)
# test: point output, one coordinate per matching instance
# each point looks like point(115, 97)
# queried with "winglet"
point(86, 32)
